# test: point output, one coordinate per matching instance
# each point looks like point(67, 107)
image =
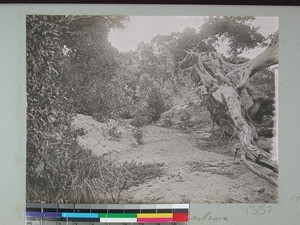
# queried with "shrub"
point(112, 131)
point(185, 122)
point(143, 116)
point(138, 135)
point(76, 175)
point(156, 104)
point(167, 122)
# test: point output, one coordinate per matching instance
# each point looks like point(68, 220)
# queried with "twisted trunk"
point(231, 100)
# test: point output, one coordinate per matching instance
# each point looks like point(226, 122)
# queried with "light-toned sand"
point(100, 140)
point(195, 172)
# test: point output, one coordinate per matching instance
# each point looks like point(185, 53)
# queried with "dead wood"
point(232, 101)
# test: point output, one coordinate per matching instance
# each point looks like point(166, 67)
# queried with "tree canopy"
point(59, 64)
point(73, 68)
point(238, 30)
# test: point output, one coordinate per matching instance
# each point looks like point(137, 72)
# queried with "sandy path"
point(192, 175)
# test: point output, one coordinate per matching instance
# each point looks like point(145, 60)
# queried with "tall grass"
point(76, 175)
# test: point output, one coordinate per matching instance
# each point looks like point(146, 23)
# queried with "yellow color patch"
point(155, 215)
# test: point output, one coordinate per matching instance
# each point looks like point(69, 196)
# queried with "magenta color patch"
point(154, 220)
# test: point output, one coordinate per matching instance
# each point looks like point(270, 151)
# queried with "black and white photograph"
point(152, 109)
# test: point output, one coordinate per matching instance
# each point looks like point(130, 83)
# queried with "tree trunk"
point(231, 100)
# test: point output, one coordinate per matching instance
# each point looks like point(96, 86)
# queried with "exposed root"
point(260, 174)
point(229, 100)
point(258, 156)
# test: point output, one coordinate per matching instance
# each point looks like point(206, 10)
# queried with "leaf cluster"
point(57, 168)
point(239, 31)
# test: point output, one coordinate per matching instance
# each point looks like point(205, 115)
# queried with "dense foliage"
point(72, 68)
point(61, 69)
point(47, 117)
point(237, 30)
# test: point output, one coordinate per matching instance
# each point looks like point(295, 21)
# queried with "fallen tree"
point(232, 101)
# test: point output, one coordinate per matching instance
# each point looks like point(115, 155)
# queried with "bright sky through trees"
point(144, 28)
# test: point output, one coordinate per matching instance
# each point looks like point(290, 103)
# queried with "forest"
point(175, 88)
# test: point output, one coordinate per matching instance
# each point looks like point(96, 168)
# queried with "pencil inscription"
point(209, 217)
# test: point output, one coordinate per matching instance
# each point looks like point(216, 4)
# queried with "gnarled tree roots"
point(232, 101)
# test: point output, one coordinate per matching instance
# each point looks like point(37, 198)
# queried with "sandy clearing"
point(194, 173)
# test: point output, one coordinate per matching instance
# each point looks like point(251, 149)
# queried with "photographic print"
point(152, 109)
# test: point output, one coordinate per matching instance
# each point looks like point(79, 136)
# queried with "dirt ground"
point(199, 168)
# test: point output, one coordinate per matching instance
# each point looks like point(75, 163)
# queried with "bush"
point(138, 135)
point(118, 178)
point(156, 104)
point(141, 118)
point(185, 122)
point(76, 175)
point(112, 131)
point(167, 122)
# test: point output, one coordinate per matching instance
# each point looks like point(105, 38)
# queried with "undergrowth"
point(138, 135)
point(112, 131)
point(75, 175)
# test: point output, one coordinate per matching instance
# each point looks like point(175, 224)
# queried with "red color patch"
point(180, 217)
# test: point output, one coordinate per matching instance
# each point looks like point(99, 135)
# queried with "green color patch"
point(117, 215)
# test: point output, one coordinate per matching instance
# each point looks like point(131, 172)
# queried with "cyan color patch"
point(80, 215)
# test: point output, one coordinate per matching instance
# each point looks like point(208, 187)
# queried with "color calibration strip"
point(111, 213)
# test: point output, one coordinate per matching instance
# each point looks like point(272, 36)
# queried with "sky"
point(144, 28)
